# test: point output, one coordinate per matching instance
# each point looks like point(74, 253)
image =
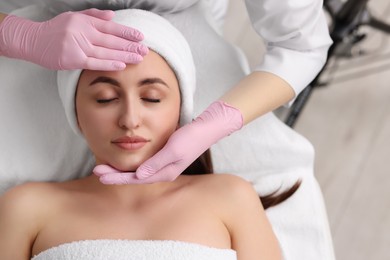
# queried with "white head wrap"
point(161, 37)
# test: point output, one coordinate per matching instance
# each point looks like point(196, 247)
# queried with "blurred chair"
point(345, 19)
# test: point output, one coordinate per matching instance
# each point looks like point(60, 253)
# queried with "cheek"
point(171, 115)
point(166, 121)
point(85, 117)
point(92, 122)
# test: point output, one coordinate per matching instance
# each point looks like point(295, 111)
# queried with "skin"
point(257, 94)
point(204, 209)
point(2, 16)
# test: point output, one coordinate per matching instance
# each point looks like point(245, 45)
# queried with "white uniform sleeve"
point(296, 36)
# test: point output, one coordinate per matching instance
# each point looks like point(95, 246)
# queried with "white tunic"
point(37, 144)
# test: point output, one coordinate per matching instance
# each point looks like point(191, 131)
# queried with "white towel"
point(134, 249)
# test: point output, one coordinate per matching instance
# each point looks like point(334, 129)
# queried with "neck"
point(128, 192)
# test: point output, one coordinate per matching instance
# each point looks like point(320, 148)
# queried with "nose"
point(130, 117)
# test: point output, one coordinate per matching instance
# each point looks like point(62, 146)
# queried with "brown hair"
point(204, 165)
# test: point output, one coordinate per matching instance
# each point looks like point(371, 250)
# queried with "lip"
point(130, 143)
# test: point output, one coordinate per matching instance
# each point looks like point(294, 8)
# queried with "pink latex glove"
point(72, 40)
point(183, 147)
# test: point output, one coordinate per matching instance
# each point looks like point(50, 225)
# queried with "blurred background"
point(348, 122)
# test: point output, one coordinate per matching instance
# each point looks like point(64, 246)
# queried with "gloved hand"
point(182, 148)
point(72, 40)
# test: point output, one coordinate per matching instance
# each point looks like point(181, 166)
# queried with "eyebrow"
point(105, 80)
point(149, 81)
point(114, 82)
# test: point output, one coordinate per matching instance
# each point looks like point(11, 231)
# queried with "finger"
point(102, 169)
point(103, 65)
point(100, 14)
point(119, 30)
point(118, 178)
point(160, 162)
point(116, 43)
point(112, 62)
point(113, 55)
point(168, 174)
point(146, 170)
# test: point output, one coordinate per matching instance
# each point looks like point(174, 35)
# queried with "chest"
point(169, 219)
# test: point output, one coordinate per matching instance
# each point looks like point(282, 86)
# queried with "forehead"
point(153, 65)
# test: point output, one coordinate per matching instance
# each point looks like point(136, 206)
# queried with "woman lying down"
point(126, 117)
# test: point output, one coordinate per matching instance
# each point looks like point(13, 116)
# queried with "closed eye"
point(104, 101)
point(152, 100)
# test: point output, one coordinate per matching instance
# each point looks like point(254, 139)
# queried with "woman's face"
point(127, 116)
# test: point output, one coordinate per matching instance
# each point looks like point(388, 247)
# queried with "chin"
point(125, 162)
point(126, 166)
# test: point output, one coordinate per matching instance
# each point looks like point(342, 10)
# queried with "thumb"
point(101, 14)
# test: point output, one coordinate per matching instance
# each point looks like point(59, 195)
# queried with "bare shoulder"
point(236, 203)
point(28, 190)
point(212, 177)
point(22, 211)
point(34, 199)
point(27, 197)
point(222, 182)
point(225, 187)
